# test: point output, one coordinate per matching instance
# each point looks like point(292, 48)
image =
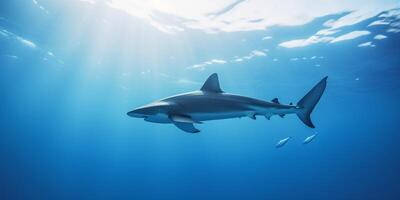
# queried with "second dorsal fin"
point(211, 84)
point(275, 100)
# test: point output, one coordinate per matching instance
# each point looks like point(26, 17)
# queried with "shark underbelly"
point(250, 112)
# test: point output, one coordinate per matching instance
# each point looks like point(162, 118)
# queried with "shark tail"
point(308, 102)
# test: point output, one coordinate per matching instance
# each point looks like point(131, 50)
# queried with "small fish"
point(309, 139)
point(282, 142)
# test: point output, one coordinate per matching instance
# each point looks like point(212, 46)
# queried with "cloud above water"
point(320, 38)
point(26, 42)
point(350, 36)
point(9, 35)
point(202, 66)
point(366, 44)
point(236, 59)
point(238, 15)
point(305, 42)
point(393, 30)
point(389, 18)
point(380, 37)
point(267, 38)
point(379, 23)
point(252, 54)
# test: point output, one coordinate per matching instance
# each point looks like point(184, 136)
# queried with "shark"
point(212, 103)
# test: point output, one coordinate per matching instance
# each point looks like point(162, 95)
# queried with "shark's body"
point(211, 103)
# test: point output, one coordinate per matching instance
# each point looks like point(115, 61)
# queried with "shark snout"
point(138, 113)
point(150, 109)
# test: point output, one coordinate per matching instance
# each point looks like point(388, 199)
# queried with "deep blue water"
point(65, 133)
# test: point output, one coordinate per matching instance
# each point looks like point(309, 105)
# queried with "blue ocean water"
point(70, 71)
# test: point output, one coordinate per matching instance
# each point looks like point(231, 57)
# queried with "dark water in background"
point(65, 133)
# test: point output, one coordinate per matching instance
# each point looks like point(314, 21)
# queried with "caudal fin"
point(308, 102)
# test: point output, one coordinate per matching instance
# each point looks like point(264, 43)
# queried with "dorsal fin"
point(211, 84)
point(275, 100)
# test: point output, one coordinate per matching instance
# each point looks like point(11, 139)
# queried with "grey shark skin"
point(211, 103)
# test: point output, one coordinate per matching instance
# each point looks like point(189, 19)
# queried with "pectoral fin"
point(185, 123)
point(187, 127)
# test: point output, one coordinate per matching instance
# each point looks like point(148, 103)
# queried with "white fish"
point(282, 142)
point(309, 139)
